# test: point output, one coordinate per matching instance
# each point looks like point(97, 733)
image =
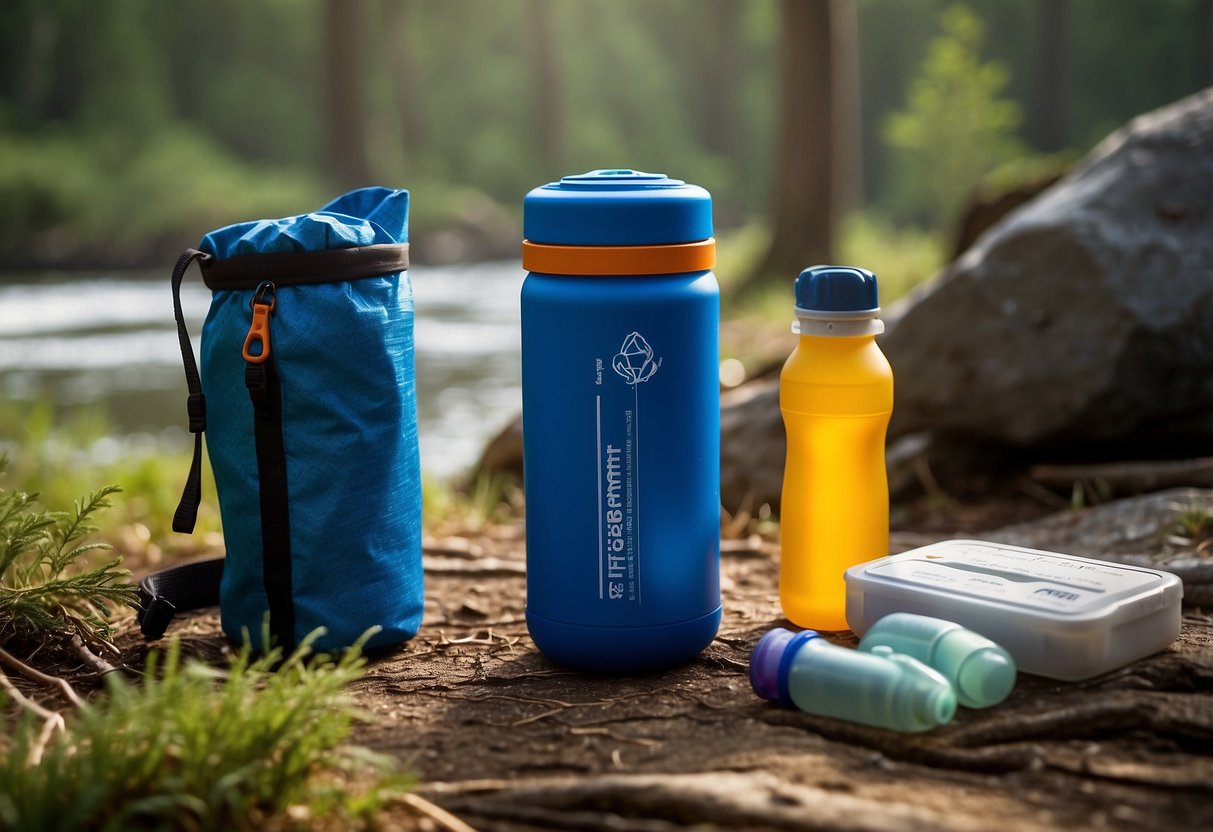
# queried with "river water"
point(109, 340)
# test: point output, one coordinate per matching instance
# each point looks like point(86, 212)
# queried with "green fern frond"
point(78, 523)
point(47, 586)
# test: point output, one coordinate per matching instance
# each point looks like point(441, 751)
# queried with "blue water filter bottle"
point(621, 420)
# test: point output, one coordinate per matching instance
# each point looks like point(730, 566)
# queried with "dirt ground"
point(506, 740)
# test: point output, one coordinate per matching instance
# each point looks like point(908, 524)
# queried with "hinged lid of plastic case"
point(1061, 616)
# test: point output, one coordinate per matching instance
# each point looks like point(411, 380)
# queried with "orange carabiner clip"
point(259, 332)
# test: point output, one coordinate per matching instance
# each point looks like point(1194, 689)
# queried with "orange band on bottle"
point(619, 260)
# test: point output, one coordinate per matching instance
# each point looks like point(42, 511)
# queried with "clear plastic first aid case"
point(1060, 616)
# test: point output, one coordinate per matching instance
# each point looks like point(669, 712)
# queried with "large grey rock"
point(1085, 315)
point(1140, 531)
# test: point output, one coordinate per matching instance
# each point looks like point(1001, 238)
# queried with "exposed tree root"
point(1167, 672)
point(23, 701)
point(52, 724)
point(1173, 715)
point(90, 658)
point(662, 802)
point(436, 813)
point(35, 675)
point(912, 749)
point(51, 720)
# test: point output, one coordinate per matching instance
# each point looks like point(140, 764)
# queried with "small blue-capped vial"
point(982, 672)
point(878, 687)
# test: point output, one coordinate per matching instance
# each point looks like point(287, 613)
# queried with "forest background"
point(129, 128)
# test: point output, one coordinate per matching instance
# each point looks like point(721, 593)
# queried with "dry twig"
point(22, 700)
point(435, 813)
point(90, 658)
point(35, 675)
point(49, 727)
point(51, 720)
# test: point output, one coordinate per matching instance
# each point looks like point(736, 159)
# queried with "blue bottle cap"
point(617, 207)
point(836, 289)
point(771, 661)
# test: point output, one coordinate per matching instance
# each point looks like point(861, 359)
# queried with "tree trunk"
point(407, 89)
point(35, 81)
point(809, 184)
point(846, 137)
point(346, 93)
point(718, 78)
point(549, 109)
point(1204, 43)
point(1051, 111)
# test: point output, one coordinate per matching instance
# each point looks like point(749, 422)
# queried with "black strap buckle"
point(154, 615)
point(195, 405)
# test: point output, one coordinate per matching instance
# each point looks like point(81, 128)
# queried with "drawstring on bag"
point(187, 510)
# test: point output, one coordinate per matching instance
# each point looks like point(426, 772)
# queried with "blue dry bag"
point(308, 400)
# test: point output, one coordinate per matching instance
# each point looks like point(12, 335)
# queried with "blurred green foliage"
point(956, 128)
point(112, 202)
point(901, 257)
point(125, 124)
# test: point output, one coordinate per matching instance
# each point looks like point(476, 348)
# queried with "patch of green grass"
point(1088, 493)
point(251, 746)
point(61, 457)
point(1194, 522)
point(487, 500)
point(46, 593)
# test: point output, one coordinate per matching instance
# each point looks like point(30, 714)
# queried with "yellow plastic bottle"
point(836, 394)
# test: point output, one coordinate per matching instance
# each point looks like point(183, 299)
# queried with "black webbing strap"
point(265, 391)
point(303, 268)
point(189, 586)
point(187, 510)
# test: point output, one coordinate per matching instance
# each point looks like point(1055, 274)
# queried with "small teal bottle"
point(621, 420)
point(878, 688)
point(982, 672)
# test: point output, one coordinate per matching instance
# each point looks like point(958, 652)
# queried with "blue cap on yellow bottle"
point(837, 289)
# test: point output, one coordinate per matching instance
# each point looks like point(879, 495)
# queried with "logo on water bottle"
point(635, 361)
point(617, 429)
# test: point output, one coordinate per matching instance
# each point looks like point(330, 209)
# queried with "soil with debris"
point(504, 739)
